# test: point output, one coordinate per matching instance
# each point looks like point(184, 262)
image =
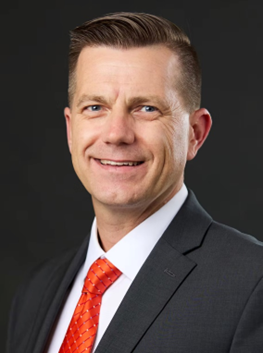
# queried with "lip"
point(122, 168)
point(120, 163)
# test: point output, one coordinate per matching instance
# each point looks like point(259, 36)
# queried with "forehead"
point(148, 68)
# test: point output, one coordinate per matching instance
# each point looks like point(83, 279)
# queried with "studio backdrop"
point(45, 209)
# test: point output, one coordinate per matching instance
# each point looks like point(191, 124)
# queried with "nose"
point(118, 129)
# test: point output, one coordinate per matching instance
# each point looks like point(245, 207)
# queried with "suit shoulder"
point(40, 275)
point(232, 241)
point(53, 264)
point(235, 235)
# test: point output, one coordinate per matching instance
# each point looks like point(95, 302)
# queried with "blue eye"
point(94, 108)
point(148, 108)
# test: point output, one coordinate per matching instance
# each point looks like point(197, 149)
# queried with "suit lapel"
point(54, 297)
point(166, 268)
point(187, 230)
point(154, 285)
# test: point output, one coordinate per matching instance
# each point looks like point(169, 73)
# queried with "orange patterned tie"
point(82, 329)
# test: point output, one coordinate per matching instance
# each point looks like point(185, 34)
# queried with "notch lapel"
point(166, 268)
point(54, 298)
point(147, 296)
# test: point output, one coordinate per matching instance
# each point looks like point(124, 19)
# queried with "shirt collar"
point(129, 254)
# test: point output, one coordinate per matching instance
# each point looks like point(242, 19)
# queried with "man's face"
point(128, 132)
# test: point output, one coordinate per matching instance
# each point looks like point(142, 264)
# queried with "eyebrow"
point(85, 98)
point(148, 99)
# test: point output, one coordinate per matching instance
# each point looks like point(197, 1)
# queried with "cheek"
point(177, 142)
point(83, 136)
point(161, 140)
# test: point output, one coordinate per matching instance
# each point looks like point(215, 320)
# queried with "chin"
point(117, 200)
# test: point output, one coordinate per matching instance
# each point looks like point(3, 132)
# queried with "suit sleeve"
point(248, 337)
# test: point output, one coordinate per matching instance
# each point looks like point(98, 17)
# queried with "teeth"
point(106, 162)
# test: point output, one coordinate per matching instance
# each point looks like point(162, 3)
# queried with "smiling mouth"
point(119, 164)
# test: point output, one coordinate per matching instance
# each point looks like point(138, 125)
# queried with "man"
point(173, 280)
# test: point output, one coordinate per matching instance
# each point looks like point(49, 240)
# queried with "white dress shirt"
point(128, 255)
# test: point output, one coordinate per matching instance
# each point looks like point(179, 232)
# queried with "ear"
point(200, 125)
point(67, 114)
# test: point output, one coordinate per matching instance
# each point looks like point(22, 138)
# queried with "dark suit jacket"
point(200, 291)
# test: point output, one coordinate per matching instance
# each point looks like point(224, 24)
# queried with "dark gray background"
point(45, 209)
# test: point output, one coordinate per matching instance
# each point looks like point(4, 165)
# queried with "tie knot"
point(101, 275)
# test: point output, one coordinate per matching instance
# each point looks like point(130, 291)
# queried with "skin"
point(126, 108)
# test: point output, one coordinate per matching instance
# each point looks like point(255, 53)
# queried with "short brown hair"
point(128, 30)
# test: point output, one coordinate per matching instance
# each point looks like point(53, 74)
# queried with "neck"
point(114, 222)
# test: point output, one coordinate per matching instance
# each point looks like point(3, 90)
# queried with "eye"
point(94, 108)
point(148, 108)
